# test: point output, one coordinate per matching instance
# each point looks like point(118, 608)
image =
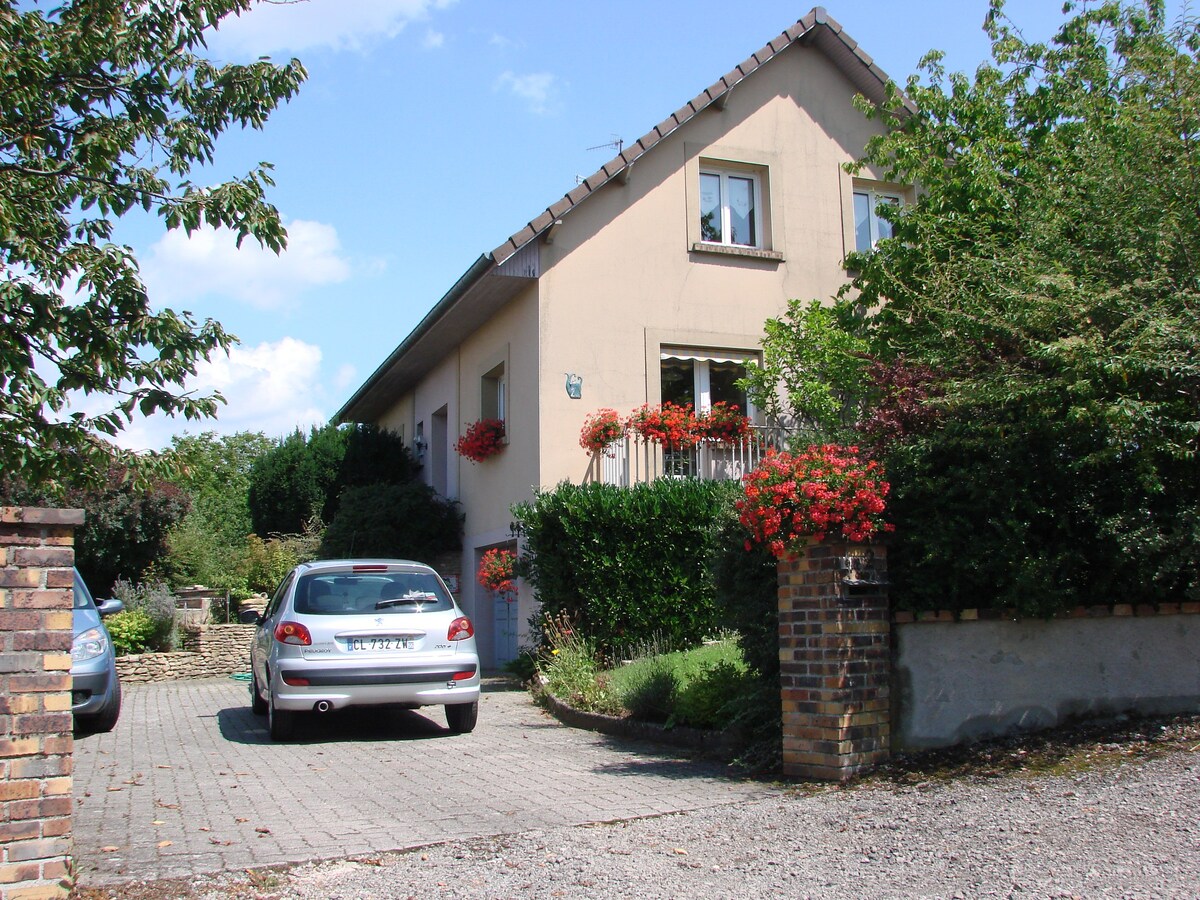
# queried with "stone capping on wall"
point(36, 743)
point(1115, 610)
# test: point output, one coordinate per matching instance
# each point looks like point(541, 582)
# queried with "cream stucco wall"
point(621, 277)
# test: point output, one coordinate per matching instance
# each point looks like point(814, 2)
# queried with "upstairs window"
point(730, 208)
point(869, 227)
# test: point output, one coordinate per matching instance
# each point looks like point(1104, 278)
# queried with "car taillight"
point(292, 633)
point(460, 629)
point(463, 676)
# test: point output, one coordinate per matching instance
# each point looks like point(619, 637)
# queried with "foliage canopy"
point(105, 107)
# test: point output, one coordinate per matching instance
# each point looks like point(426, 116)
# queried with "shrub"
point(625, 562)
point(404, 521)
point(649, 693)
point(710, 699)
point(158, 605)
point(131, 630)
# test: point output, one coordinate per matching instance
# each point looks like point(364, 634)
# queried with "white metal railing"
point(631, 460)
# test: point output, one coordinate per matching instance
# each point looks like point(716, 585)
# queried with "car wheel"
point(258, 705)
point(280, 722)
point(461, 717)
point(106, 719)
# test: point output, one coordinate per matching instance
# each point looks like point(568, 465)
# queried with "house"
point(650, 281)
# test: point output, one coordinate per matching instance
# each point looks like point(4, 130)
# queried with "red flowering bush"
point(497, 569)
point(827, 488)
point(674, 427)
point(725, 424)
point(600, 429)
point(481, 439)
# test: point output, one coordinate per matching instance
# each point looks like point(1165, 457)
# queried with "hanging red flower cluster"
point(497, 570)
point(600, 429)
point(827, 488)
point(674, 427)
point(724, 424)
point(481, 439)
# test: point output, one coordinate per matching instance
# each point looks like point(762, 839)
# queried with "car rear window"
point(344, 593)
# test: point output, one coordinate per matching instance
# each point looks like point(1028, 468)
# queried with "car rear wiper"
point(411, 598)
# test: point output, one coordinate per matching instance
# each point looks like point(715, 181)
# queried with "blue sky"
point(430, 130)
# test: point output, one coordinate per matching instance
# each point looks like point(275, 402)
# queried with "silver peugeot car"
point(340, 633)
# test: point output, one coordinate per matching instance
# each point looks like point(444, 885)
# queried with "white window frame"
point(874, 198)
point(756, 182)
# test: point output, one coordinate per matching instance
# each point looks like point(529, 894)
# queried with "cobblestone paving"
point(189, 782)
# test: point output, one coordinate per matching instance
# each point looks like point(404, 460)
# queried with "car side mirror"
point(250, 617)
point(109, 607)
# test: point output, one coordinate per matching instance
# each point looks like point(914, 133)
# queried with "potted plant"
point(481, 440)
point(725, 424)
point(827, 488)
point(497, 571)
point(674, 427)
point(600, 430)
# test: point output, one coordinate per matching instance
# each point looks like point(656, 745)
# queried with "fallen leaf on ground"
point(109, 849)
point(262, 829)
point(164, 844)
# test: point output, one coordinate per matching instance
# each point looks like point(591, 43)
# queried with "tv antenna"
point(616, 143)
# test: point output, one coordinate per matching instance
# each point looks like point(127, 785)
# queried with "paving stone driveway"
point(188, 782)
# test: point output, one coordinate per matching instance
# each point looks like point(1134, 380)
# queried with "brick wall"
point(36, 585)
point(834, 651)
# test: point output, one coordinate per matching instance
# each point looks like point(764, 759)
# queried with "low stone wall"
point(208, 651)
point(987, 674)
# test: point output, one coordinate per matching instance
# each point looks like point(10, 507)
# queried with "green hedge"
point(627, 563)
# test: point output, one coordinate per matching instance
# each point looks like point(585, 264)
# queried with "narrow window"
point(493, 389)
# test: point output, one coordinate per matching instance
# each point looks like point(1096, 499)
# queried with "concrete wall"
point(36, 744)
point(956, 682)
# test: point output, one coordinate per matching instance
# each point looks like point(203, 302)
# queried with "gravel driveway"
point(1121, 823)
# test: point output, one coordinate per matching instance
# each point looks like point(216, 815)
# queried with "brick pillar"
point(835, 660)
point(36, 587)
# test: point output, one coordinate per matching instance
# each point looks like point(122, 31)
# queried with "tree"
point(1034, 319)
point(209, 545)
point(305, 475)
point(1047, 274)
point(105, 106)
point(125, 527)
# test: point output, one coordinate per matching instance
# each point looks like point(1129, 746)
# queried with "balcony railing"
point(631, 461)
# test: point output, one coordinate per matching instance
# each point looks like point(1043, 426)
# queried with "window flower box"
point(481, 440)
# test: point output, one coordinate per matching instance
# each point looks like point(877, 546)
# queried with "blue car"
point(95, 690)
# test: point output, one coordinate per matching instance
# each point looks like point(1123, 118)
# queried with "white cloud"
point(208, 261)
point(272, 387)
point(538, 89)
point(433, 40)
point(337, 24)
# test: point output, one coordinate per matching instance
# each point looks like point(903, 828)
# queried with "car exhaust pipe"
point(322, 706)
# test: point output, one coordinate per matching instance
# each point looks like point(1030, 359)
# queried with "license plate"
point(378, 644)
